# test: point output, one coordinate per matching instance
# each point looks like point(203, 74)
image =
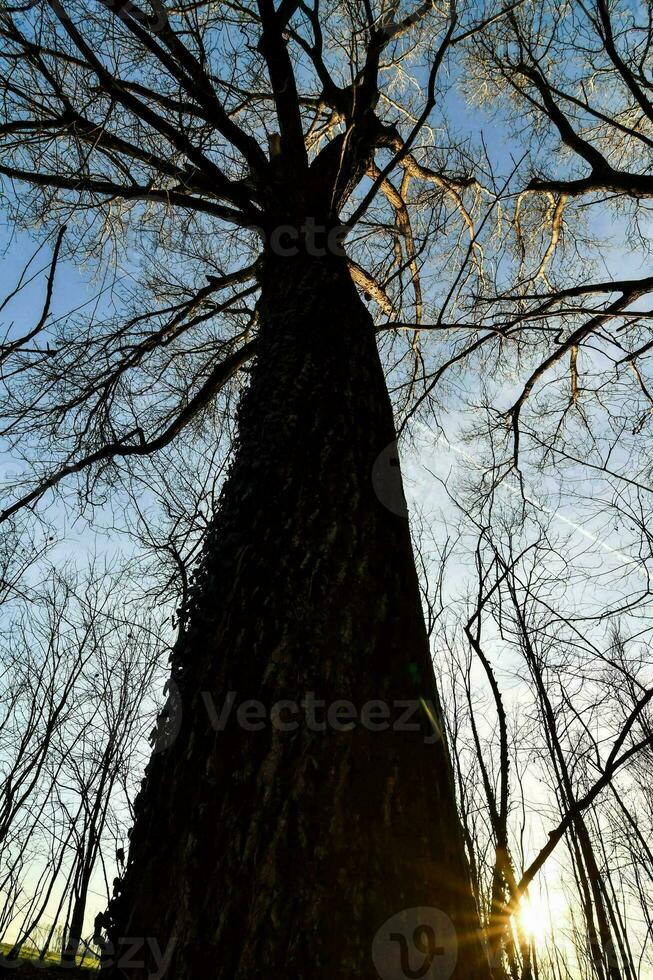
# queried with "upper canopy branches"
point(185, 132)
point(582, 74)
point(175, 104)
point(127, 102)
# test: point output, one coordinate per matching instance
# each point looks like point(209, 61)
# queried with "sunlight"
point(539, 915)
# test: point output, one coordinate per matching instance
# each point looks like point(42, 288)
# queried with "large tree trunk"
point(275, 853)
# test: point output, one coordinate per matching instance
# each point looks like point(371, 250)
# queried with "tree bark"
point(275, 853)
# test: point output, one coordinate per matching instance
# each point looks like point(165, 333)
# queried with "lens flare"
point(539, 915)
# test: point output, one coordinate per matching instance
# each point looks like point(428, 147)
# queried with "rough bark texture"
point(280, 854)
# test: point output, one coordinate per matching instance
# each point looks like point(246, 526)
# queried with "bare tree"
point(271, 214)
point(81, 670)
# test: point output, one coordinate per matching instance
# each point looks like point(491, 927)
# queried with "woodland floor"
point(27, 968)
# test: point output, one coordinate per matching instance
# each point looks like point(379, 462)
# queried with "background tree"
point(77, 699)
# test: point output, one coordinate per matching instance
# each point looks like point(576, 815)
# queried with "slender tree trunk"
point(76, 927)
point(277, 853)
point(54, 869)
point(88, 856)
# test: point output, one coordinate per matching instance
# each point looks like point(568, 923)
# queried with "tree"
point(78, 664)
point(543, 689)
point(152, 122)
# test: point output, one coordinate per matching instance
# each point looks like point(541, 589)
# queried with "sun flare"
point(539, 915)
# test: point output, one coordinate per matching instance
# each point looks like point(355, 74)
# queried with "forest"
point(326, 485)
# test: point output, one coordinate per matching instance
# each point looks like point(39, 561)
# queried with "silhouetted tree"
point(238, 147)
